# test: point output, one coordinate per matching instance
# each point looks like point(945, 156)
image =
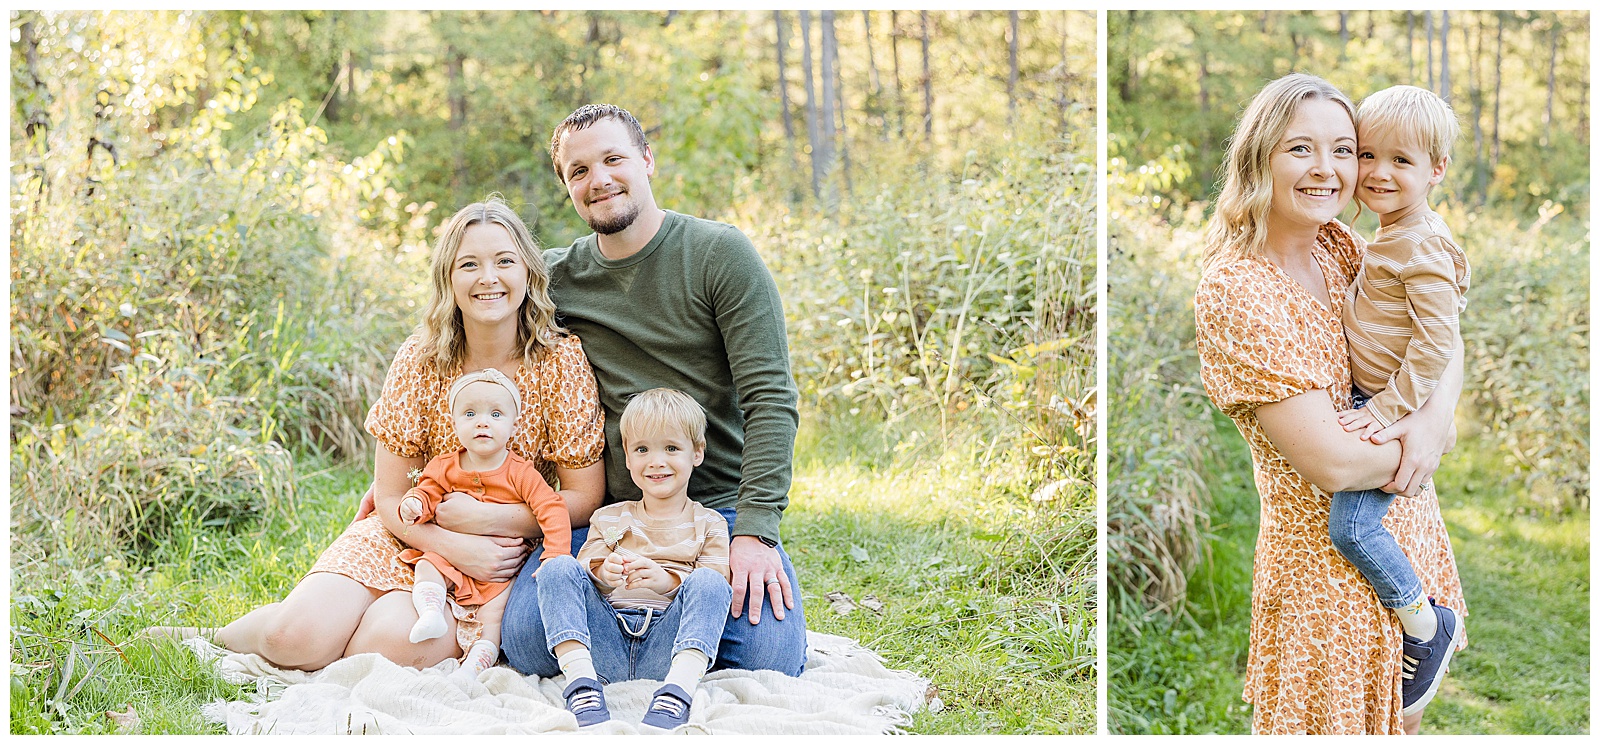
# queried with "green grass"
point(985, 592)
point(987, 595)
point(1526, 576)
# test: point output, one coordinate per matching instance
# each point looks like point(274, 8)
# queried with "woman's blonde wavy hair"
point(444, 339)
point(1238, 228)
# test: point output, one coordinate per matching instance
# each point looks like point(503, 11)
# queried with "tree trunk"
point(1411, 52)
point(872, 62)
point(1011, 82)
point(1499, 47)
point(1432, 84)
point(927, 80)
point(829, 129)
point(1063, 100)
point(1475, 86)
point(840, 128)
point(811, 105)
point(874, 107)
point(894, 53)
point(1344, 31)
point(1550, 100)
point(1444, 57)
point(783, 82)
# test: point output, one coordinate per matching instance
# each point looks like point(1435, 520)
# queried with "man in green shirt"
point(664, 300)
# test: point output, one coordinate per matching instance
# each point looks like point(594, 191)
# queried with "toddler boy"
point(1401, 322)
point(655, 569)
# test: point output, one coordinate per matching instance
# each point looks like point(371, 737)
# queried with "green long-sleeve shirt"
point(695, 310)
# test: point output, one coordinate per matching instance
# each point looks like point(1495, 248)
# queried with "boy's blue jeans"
point(1355, 523)
point(630, 643)
point(769, 645)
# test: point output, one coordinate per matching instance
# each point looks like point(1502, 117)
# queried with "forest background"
point(219, 228)
point(1182, 507)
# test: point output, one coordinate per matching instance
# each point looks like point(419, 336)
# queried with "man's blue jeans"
point(768, 645)
point(631, 643)
point(1355, 523)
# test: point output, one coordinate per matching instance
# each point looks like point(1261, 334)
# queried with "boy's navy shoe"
point(586, 699)
point(669, 708)
point(1423, 662)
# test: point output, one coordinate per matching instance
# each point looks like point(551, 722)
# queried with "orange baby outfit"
point(559, 423)
point(1324, 653)
point(515, 481)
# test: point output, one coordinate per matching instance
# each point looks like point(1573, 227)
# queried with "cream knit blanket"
point(845, 689)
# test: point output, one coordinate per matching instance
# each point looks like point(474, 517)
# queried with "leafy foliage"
point(966, 293)
point(1180, 80)
point(183, 317)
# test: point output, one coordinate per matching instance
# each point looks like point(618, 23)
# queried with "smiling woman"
point(489, 311)
point(1324, 654)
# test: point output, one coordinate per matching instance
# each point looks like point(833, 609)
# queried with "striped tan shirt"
point(1403, 317)
point(695, 537)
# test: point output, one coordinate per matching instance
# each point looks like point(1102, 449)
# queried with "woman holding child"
point(489, 310)
point(1326, 656)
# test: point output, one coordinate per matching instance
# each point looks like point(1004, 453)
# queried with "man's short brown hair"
point(585, 117)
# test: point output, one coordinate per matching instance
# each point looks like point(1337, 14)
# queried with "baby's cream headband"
point(487, 375)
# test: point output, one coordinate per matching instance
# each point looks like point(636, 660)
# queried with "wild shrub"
point(944, 293)
point(1526, 333)
point(1159, 422)
point(184, 313)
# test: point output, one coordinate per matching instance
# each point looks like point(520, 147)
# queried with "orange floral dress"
point(560, 423)
point(1324, 653)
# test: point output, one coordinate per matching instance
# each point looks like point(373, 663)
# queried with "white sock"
point(480, 657)
point(577, 664)
point(687, 668)
point(428, 599)
point(1418, 618)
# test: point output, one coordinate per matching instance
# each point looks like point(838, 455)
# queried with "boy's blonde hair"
point(664, 409)
point(1419, 114)
point(1238, 227)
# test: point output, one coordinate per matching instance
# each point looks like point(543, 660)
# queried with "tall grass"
point(970, 295)
point(1156, 507)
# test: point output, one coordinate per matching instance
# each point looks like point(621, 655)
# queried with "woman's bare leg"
point(1412, 724)
point(386, 629)
point(308, 629)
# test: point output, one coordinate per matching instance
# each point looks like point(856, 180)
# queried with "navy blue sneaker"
point(1423, 662)
point(669, 708)
point(586, 699)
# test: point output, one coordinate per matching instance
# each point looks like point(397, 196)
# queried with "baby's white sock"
point(1418, 619)
point(687, 668)
point(577, 664)
point(428, 599)
point(480, 657)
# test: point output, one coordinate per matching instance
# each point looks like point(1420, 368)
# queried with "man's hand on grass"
point(758, 570)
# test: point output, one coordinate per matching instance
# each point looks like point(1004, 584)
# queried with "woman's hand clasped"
point(1424, 439)
point(489, 558)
